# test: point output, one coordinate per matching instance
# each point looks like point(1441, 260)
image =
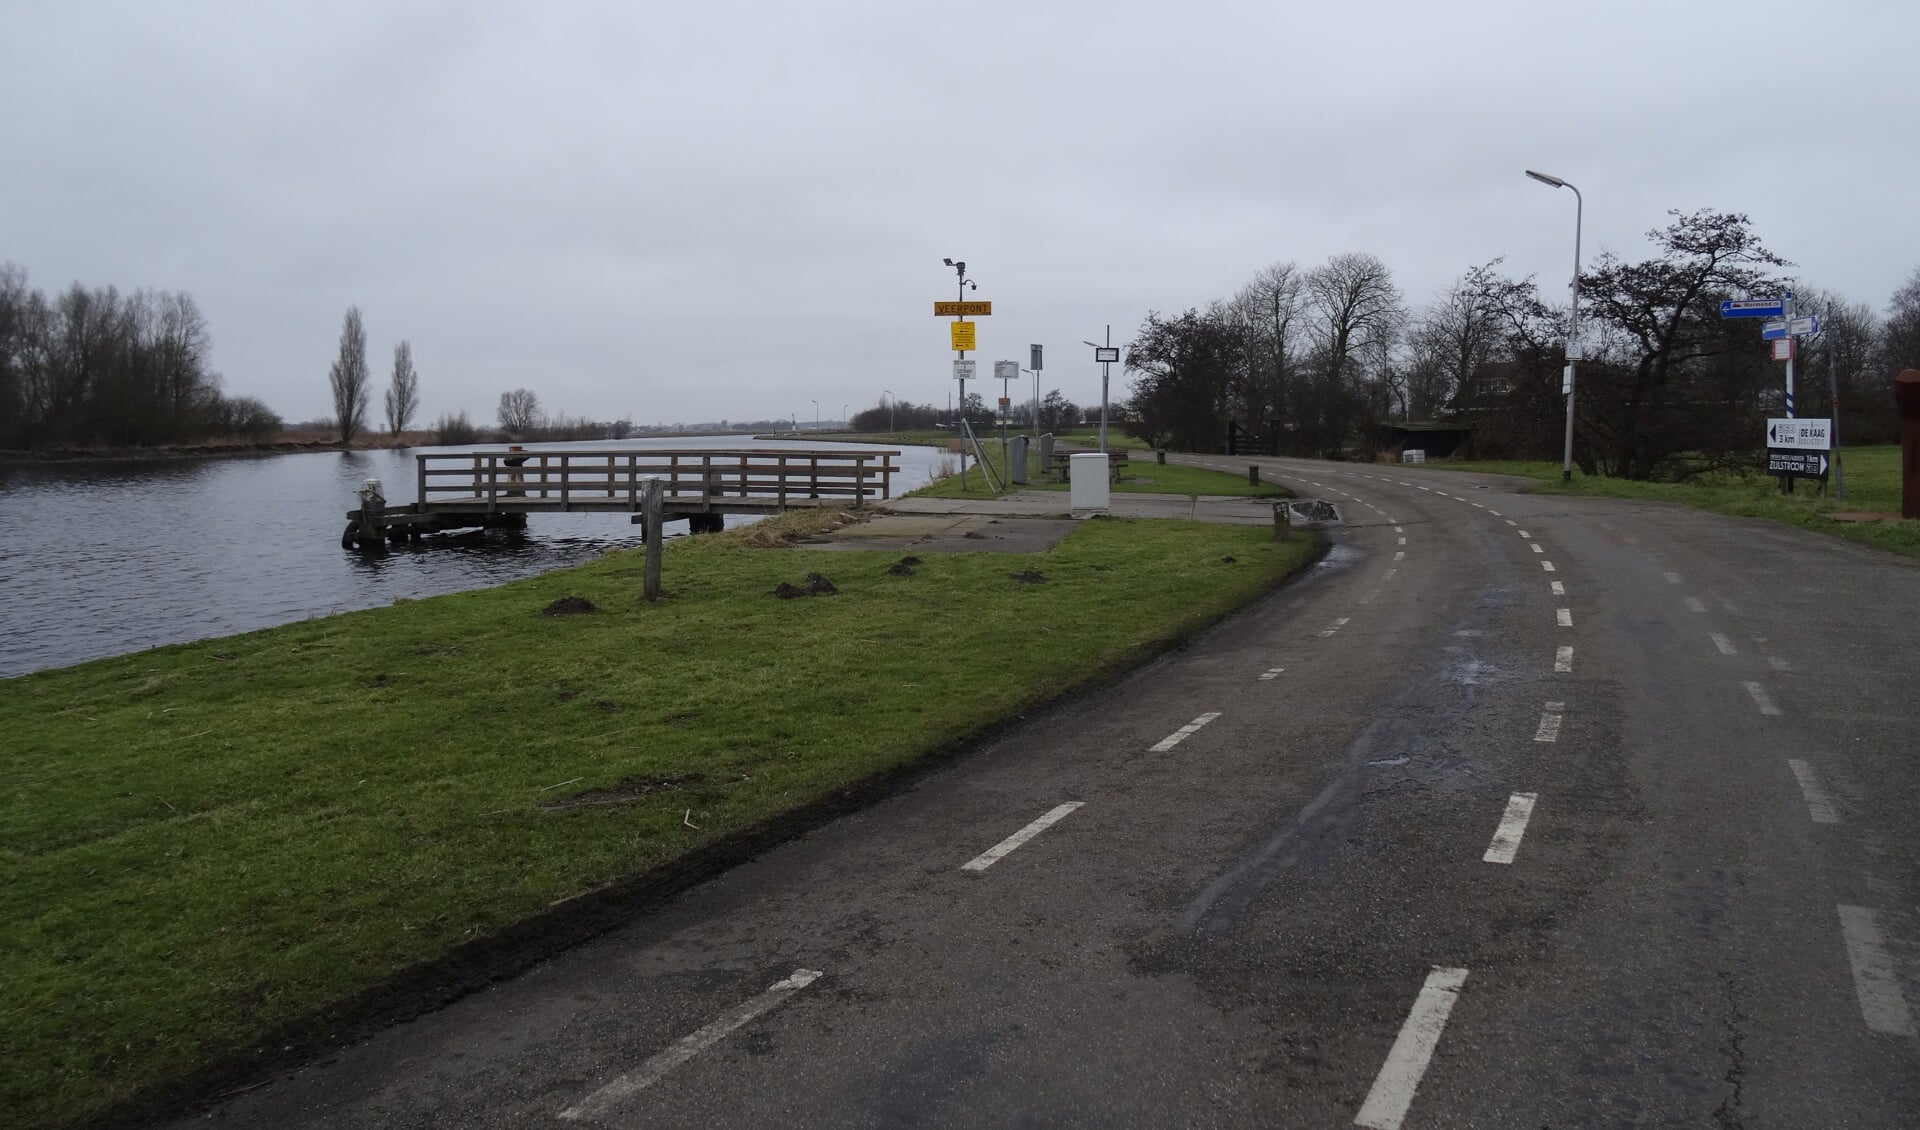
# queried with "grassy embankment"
point(1873, 486)
point(209, 843)
point(946, 438)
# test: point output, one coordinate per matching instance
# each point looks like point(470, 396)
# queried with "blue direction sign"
point(1796, 327)
point(1754, 308)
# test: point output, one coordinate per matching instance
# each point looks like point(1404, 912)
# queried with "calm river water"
point(101, 559)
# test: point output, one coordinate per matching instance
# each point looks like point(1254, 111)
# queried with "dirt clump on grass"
point(816, 585)
point(900, 569)
point(1030, 577)
point(627, 790)
point(569, 606)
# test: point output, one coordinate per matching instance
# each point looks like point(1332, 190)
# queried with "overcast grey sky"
point(720, 209)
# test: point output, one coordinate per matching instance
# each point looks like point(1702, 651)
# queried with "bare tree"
point(1356, 316)
point(1457, 334)
point(519, 410)
point(1843, 359)
point(1900, 339)
point(403, 395)
point(1271, 302)
point(348, 376)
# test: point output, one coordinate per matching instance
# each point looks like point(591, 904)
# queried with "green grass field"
point(207, 842)
point(1872, 485)
point(1140, 478)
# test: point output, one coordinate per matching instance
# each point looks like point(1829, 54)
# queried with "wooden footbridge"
point(484, 489)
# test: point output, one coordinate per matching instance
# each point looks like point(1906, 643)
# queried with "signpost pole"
point(1833, 394)
point(1034, 361)
point(1104, 367)
point(960, 273)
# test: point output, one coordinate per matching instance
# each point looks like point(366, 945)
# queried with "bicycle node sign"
point(1798, 447)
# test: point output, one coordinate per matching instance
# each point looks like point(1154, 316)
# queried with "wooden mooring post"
point(653, 508)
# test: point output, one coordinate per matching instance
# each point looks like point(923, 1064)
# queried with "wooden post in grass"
point(1282, 521)
point(651, 507)
point(1253, 474)
point(1906, 394)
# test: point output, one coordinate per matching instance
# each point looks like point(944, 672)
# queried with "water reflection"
point(104, 558)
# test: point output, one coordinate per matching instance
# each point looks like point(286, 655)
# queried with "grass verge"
point(1872, 483)
point(1140, 477)
point(214, 844)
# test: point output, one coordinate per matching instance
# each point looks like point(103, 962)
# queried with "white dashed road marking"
point(1188, 730)
point(1773, 661)
point(1273, 674)
point(1673, 578)
point(1550, 719)
point(1819, 807)
point(1694, 604)
point(1723, 643)
point(1535, 546)
point(1007, 846)
point(1564, 617)
point(1558, 588)
point(1563, 659)
point(1547, 565)
point(1874, 982)
point(1761, 698)
point(603, 1101)
point(1513, 825)
point(1524, 534)
point(1393, 1089)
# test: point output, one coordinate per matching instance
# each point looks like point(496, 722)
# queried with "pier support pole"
point(651, 507)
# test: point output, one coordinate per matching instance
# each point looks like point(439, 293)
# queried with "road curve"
point(1517, 811)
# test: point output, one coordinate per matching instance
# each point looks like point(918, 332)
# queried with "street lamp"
point(1573, 324)
point(890, 406)
point(1102, 353)
point(816, 415)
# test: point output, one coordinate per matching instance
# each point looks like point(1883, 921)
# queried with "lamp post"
point(816, 415)
point(1102, 354)
point(888, 393)
point(1573, 324)
point(844, 419)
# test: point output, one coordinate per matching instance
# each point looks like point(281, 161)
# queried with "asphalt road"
point(1515, 812)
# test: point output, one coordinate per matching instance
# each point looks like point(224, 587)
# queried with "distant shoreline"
point(18, 458)
point(164, 451)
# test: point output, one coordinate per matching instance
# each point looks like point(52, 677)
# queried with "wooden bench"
point(1116, 464)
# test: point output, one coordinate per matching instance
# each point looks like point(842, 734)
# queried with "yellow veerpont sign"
point(962, 335)
point(962, 309)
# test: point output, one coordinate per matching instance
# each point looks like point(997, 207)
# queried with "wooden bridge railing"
point(604, 480)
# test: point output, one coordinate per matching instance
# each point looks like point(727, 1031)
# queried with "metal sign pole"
point(1104, 366)
point(960, 271)
point(1833, 392)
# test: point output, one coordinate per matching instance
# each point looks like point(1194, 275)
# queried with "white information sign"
point(1006, 370)
point(1800, 434)
point(963, 370)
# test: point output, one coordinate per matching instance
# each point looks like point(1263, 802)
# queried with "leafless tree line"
point(1321, 357)
point(94, 367)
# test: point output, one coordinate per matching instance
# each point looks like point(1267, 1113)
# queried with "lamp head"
point(1543, 178)
point(948, 262)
